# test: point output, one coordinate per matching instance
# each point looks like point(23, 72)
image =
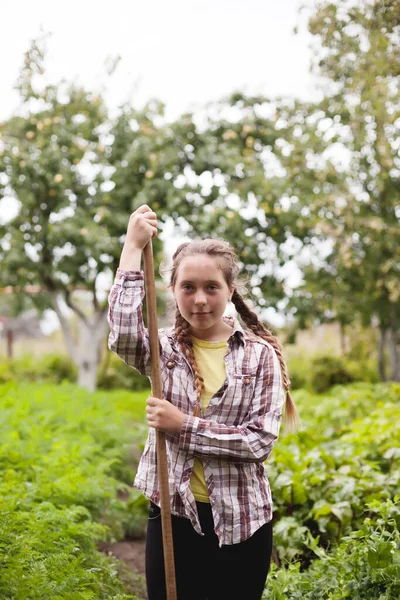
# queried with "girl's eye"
point(187, 287)
point(212, 287)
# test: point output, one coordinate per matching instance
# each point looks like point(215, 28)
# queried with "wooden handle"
point(162, 465)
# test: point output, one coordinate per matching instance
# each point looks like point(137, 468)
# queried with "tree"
point(342, 171)
point(54, 157)
point(323, 177)
point(360, 60)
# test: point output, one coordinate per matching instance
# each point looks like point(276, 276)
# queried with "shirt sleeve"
point(128, 337)
point(253, 441)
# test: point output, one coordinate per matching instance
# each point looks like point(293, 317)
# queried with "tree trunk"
point(342, 337)
point(393, 348)
point(10, 344)
point(91, 337)
point(86, 351)
point(381, 353)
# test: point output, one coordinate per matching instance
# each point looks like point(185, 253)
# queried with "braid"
point(182, 332)
point(251, 320)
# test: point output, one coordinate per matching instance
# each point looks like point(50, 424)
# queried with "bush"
point(119, 375)
point(56, 368)
point(61, 367)
point(363, 370)
point(299, 371)
point(50, 368)
point(327, 371)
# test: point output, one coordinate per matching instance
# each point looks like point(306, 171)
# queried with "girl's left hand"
point(163, 415)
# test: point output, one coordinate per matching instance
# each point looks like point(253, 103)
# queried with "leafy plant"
point(365, 565)
point(64, 463)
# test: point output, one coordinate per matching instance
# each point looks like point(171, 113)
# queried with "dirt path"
point(132, 553)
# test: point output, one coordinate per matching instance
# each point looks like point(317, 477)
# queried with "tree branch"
point(73, 307)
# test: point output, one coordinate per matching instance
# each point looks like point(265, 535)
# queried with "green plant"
point(299, 366)
point(365, 565)
point(119, 375)
point(327, 371)
point(49, 551)
point(50, 368)
point(61, 366)
point(343, 457)
point(63, 461)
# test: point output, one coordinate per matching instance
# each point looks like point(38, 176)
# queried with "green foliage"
point(44, 428)
point(298, 378)
point(61, 366)
point(317, 373)
point(66, 457)
point(327, 371)
point(50, 551)
point(344, 457)
point(119, 375)
point(362, 370)
point(67, 462)
point(353, 201)
point(50, 368)
point(58, 368)
point(364, 566)
point(299, 370)
point(278, 157)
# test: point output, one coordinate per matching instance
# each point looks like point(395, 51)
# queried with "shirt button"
point(246, 380)
point(170, 364)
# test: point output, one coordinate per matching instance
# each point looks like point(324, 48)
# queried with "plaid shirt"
point(233, 436)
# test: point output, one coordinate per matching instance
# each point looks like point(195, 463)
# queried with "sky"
point(184, 53)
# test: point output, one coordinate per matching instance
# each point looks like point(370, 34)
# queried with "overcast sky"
point(183, 52)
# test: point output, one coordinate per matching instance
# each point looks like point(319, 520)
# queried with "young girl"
point(223, 396)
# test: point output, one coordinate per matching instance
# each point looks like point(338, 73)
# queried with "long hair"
point(226, 258)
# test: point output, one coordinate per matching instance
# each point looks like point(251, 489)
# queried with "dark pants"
point(203, 570)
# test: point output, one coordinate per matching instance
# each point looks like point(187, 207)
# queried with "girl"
point(221, 413)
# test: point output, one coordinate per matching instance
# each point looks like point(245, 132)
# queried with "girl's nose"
point(200, 299)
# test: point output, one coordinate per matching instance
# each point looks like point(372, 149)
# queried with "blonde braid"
point(182, 332)
point(251, 320)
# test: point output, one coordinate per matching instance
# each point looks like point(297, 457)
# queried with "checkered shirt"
point(233, 436)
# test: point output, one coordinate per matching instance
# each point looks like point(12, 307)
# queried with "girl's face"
point(202, 294)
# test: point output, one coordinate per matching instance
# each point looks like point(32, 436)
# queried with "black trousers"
point(203, 570)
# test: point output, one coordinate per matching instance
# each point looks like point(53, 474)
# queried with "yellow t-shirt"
point(210, 359)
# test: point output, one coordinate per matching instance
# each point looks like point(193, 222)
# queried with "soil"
point(130, 555)
point(132, 552)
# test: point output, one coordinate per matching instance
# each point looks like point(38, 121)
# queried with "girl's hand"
point(163, 415)
point(142, 227)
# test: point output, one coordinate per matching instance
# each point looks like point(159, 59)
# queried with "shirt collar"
point(238, 330)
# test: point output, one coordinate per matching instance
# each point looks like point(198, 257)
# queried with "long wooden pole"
point(162, 465)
